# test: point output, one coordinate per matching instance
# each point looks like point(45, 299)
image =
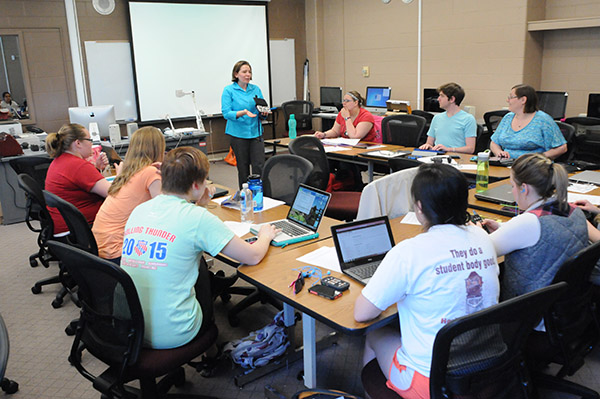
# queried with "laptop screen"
point(366, 239)
point(309, 206)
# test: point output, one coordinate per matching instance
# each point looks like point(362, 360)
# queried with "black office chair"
point(479, 356)
point(80, 235)
point(34, 166)
point(8, 386)
point(568, 132)
point(482, 140)
point(111, 328)
point(398, 164)
point(302, 111)
point(572, 329)
point(493, 118)
point(283, 174)
point(587, 141)
point(35, 210)
point(343, 205)
point(428, 117)
point(405, 130)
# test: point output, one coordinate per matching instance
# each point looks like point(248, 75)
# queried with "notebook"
point(361, 246)
point(303, 218)
point(588, 176)
point(500, 195)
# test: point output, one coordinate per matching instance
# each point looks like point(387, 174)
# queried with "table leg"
point(310, 351)
point(370, 170)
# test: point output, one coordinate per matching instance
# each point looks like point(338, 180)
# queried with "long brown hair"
point(547, 178)
point(58, 143)
point(147, 146)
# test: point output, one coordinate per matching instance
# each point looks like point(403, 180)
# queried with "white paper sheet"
point(467, 166)
point(268, 203)
point(594, 199)
point(325, 257)
point(239, 229)
point(581, 187)
point(410, 218)
point(330, 148)
point(340, 141)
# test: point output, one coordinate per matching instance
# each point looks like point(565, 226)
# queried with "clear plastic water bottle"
point(246, 205)
point(256, 186)
point(292, 126)
point(483, 171)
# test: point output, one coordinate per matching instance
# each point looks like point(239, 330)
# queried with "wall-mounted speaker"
point(104, 7)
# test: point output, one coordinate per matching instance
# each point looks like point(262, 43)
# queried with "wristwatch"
point(349, 117)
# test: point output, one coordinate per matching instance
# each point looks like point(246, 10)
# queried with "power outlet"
point(365, 72)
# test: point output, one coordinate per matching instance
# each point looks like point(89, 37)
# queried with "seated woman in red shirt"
point(73, 178)
point(353, 121)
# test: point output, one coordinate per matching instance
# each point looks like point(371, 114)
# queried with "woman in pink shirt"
point(138, 181)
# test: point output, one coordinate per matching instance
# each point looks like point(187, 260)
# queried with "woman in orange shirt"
point(138, 181)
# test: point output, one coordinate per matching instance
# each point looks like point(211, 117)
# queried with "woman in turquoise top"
point(525, 129)
point(243, 121)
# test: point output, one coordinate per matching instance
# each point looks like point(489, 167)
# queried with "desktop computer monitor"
point(331, 98)
point(103, 115)
point(593, 108)
point(377, 98)
point(430, 101)
point(554, 103)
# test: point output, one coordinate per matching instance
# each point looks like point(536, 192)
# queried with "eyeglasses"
point(511, 97)
point(86, 139)
point(346, 100)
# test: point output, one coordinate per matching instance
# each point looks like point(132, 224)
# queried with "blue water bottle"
point(255, 184)
point(292, 126)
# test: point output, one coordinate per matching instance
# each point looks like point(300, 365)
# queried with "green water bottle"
point(292, 126)
point(483, 171)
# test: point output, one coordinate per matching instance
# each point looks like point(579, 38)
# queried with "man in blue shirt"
point(454, 130)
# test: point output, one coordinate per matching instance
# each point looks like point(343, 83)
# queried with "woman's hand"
point(503, 154)
point(250, 114)
point(118, 168)
point(345, 113)
point(426, 147)
point(269, 231)
point(587, 206)
point(101, 161)
point(491, 225)
point(207, 196)
point(319, 135)
point(441, 147)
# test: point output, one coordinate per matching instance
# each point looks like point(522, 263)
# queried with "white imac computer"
point(101, 115)
point(377, 98)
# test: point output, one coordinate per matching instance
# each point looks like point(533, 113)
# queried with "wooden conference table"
point(357, 156)
point(274, 274)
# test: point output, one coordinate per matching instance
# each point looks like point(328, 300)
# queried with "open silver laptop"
point(303, 218)
point(500, 195)
point(362, 245)
point(588, 176)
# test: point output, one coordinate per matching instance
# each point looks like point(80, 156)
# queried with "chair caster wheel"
point(57, 303)
point(9, 386)
point(225, 298)
point(33, 262)
point(300, 375)
point(36, 289)
point(70, 331)
point(234, 321)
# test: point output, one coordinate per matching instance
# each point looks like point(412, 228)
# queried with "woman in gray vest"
point(536, 243)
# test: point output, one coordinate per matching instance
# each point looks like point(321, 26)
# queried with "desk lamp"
point(181, 93)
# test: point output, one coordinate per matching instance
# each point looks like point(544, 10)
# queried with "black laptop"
point(500, 195)
point(362, 245)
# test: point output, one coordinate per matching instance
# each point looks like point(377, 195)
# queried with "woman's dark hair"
point(4, 94)
point(443, 192)
point(58, 143)
point(236, 68)
point(546, 177)
point(452, 90)
point(531, 105)
point(357, 97)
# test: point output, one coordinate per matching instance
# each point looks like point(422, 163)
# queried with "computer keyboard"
point(289, 228)
point(366, 270)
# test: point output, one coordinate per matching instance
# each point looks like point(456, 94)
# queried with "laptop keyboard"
point(366, 270)
point(288, 228)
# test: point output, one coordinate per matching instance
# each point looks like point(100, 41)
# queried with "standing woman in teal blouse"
point(243, 121)
point(525, 129)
